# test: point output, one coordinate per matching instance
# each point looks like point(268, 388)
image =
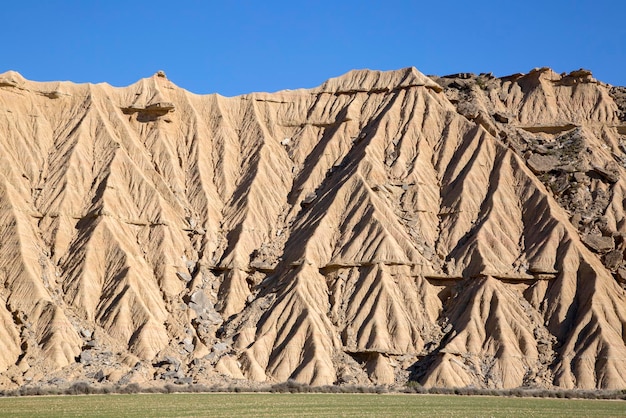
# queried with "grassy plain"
point(303, 405)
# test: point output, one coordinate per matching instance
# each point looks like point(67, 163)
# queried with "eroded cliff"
point(385, 226)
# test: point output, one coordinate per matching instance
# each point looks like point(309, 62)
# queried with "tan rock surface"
point(381, 226)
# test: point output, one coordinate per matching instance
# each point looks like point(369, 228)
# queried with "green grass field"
point(298, 405)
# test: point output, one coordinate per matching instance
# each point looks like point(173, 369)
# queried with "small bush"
point(37, 391)
point(130, 389)
point(80, 388)
point(200, 389)
point(290, 386)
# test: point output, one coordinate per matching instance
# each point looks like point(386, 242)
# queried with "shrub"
point(80, 388)
point(130, 388)
point(290, 386)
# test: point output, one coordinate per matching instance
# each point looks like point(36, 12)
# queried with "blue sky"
point(235, 47)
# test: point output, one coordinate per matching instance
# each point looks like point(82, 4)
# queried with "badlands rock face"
point(383, 227)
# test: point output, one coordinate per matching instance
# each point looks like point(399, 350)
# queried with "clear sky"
point(235, 47)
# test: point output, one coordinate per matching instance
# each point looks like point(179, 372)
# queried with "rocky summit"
point(384, 227)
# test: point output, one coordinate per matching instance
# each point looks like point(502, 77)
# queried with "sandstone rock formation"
point(385, 226)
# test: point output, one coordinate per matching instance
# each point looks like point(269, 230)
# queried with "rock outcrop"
point(385, 226)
